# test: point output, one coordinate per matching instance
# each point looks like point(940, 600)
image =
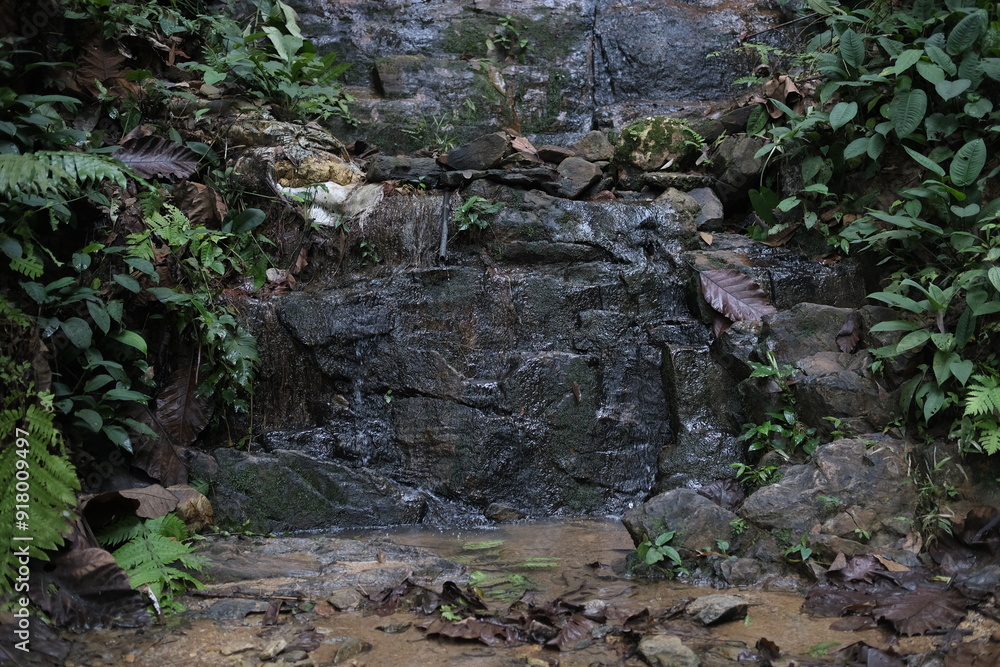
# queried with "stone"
point(502, 513)
point(345, 600)
point(317, 167)
point(409, 169)
point(736, 168)
point(289, 490)
point(575, 176)
point(848, 470)
point(351, 648)
point(193, 508)
point(486, 152)
point(554, 154)
point(273, 648)
point(711, 609)
point(235, 609)
point(681, 201)
point(397, 76)
point(696, 520)
point(704, 411)
point(594, 147)
point(711, 214)
point(676, 179)
point(650, 143)
point(740, 571)
point(667, 651)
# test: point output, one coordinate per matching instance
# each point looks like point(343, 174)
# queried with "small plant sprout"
point(799, 552)
point(476, 212)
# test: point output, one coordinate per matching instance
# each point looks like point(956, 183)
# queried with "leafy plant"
point(755, 476)
point(782, 432)
point(739, 525)
point(476, 212)
point(39, 483)
point(154, 555)
point(800, 551)
point(655, 551)
point(909, 86)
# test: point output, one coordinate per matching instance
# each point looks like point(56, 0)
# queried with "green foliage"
point(38, 481)
point(800, 551)
point(475, 212)
point(911, 87)
point(271, 60)
point(739, 525)
point(782, 432)
point(153, 554)
point(659, 550)
point(756, 476)
point(506, 41)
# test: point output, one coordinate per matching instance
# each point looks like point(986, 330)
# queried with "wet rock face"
point(584, 62)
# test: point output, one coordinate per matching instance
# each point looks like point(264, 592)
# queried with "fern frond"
point(121, 531)
point(983, 398)
point(38, 484)
point(989, 436)
point(85, 167)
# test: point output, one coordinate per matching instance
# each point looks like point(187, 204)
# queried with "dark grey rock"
point(740, 571)
point(575, 176)
point(736, 168)
point(667, 651)
point(875, 477)
point(235, 609)
point(399, 76)
point(594, 146)
point(486, 152)
point(554, 154)
point(711, 214)
point(711, 609)
point(288, 490)
point(410, 169)
point(676, 179)
point(705, 412)
point(698, 521)
point(503, 513)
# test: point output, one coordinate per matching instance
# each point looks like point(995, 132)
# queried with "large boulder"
point(697, 521)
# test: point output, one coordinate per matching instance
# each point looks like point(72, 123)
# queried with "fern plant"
point(154, 555)
point(982, 403)
point(38, 484)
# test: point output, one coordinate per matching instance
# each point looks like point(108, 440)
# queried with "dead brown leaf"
point(924, 609)
point(157, 157)
point(706, 237)
point(850, 334)
point(200, 203)
point(735, 294)
point(891, 565)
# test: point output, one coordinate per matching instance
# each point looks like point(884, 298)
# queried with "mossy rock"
point(650, 143)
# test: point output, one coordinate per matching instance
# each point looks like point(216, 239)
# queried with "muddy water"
point(576, 560)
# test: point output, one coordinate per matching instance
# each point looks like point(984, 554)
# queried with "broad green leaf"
point(990, 67)
point(979, 108)
point(933, 402)
point(931, 72)
point(856, 148)
point(119, 436)
point(896, 325)
point(842, 114)
point(78, 332)
point(906, 111)
point(968, 163)
point(965, 211)
point(127, 281)
point(941, 59)
point(942, 365)
point(962, 369)
point(904, 61)
point(966, 32)
point(143, 265)
point(81, 261)
point(899, 301)
point(100, 315)
point(951, 89)
point(912, 340)
point(925, 161)
point(93, 420)
point(120, 394)
point(132, 339)
point(852, 48)
point(757, 120)
point(994, 277)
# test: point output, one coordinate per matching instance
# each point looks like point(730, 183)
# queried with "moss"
point(654, 140)
point(580, 498)
point(553, 104)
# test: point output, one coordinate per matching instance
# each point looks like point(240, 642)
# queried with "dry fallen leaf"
point(706, 237)
point(891, 565)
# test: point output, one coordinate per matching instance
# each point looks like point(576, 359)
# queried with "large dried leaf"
point(83, 587)
point(726, 493)
point(155, 157)
point(181, 412)
point(98, 64)
point(201, 204)
point(922, 610)
point(735, 295)
point(157, 457)
point(850, 334)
